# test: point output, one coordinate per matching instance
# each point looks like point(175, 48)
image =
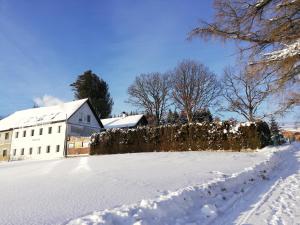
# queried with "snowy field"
point(154, 188)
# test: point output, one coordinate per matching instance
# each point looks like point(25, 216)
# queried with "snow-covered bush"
point(193, 137)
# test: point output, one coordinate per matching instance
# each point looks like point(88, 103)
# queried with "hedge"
point(187, 137)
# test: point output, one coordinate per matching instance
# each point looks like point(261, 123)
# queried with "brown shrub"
point(193, 137)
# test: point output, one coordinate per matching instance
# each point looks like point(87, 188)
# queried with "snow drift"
point(201, 203)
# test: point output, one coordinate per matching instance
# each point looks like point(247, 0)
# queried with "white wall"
point(78, 124)
point(37, 141)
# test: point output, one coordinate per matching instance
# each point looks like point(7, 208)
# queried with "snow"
point(260, 3)
point(280, 205)
point(224, 200)
point(209, 210)
point(290, 50)
point(142, 188)
point(54, 191)
point(291, 129)
point(121, 122)
point(42, 115)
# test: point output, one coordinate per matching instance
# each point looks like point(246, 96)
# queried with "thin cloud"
point(47, 100)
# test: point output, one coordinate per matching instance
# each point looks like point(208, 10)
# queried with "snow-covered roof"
point(42, 115)
point(121, 122)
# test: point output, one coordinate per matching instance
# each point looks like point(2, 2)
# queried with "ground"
point(155, 188)
point(275, 201)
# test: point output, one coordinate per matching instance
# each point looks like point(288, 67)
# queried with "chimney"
point(124, 114)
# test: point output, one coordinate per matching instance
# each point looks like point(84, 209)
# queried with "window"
point(39, 150)
point(57, 148)
point(30, 151)
point(15, 152)
point(24, 133)
point(4, 153)
point(41, 131)
point(17, 134)
point(80, 117)
point(6, 136)
point(88, 118)
point(71, 145)
point(48, 149)
point(58, 129)
point(49, 130)
point(32, 132)
point(22, 151)
point(85, 144)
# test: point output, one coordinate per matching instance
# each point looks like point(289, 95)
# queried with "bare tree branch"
point(194, 87)
point(268, 33)
point(245, 94)
point(150, 92)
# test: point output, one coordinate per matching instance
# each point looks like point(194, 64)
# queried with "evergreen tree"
point(276, 136)
point(274, 126)
point(132, 113)
point(176, 117)
point(89, 85)
point(202, 116)
point(170, 117)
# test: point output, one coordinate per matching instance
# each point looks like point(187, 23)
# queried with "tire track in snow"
point(245, 218)
point(279, 199)
point(285, 201)
point(245, 207)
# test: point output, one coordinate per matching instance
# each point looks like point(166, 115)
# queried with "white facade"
point(83, 122)
point(42, 133)
point(39, 142)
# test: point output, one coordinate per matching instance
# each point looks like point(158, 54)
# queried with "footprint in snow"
point(218, 173)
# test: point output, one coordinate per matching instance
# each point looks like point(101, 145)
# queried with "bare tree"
point(245, 94)
point(194, 87)
point(269, 34)
point(150, 92)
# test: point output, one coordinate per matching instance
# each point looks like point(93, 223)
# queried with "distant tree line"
point(189, 91)
point(190, 87)
point(267, 34)
point(183, 95)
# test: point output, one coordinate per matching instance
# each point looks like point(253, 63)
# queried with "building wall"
point(5, 144)
point(35, 146)
point(291, 135)
point(32, 143)
point(78, 124)
point(78, 146)
point(143, 122)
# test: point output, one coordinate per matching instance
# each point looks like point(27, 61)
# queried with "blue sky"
point(45, 45)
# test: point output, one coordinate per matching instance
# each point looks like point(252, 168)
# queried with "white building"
point(40, 133)
point(125, 121)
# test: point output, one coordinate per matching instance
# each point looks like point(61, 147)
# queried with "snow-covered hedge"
point(193, 137)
